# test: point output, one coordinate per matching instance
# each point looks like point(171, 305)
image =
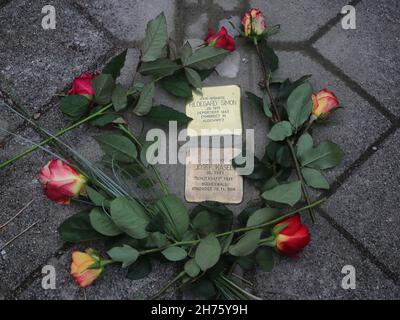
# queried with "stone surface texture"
point(358, 225)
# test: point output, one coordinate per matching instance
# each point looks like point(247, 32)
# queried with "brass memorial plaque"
point(209, 173)
point(215, 108)
point(211, 177)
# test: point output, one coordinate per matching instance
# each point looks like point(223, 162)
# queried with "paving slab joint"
point(360, 247)
point(35, 274)
point(109, 36)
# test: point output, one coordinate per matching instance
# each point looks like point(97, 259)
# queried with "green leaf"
point(283, 156)
point(246, 263)
point(74, 106)
point(280, 131)
point(191, 268)
point(326, 155)
point(210, 216)
point(103, 86)
point(119, 241)
point(96, 197)
point(160, 68)
point(102, 223)
point(267, 106)
point(287, 86)
point(157, 239)
point(143, 152)
point(247, 244)
point(125, 254)
point(177, 85)
point(206, 58)
point(255, 100)
point(140, 269)
point(145, 100)
point(174, 253)
point(186, 52)
point(119, 98)
point(118, 147)
point(208, 252)
point(130, 217)
point(163, 115)
point(204, 74)
point(104, 119)
point(175, 215)
point(193, 77)
point(156, 38)
point(269, 55)
point(299, 105)
point(314, 178)
point(203, 288)
point(265, 259)
point(115, 65)
point(226, 242)
point(289, 193)
point(246, 213)
point(262, 216)
point(304, 144)
point(133, 170)
point(145, 183)
point(78, 229)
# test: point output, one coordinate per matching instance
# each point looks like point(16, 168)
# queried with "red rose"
point(61, 182)
point(221, 39)
point(82, 85)
point(293, 238)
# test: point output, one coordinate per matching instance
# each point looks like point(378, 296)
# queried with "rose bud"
point(254, 23)
point(323, 102)
point(86, 267)
point(221, 39)
point(292, 238)
point(82, 85)
point(61, 182)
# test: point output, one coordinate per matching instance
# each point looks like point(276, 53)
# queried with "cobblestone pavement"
point(358, 225)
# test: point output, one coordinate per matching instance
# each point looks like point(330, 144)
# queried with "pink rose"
point(61, 182)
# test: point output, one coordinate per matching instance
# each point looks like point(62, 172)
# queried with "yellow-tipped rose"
point(323, 102)
point(253, 23)
point(86, 267)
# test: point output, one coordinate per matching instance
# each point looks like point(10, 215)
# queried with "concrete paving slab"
point(369, 54)
point(36, 64)
point(127, 19)
point(299, 20)
point(367, 204)
point(316, 274)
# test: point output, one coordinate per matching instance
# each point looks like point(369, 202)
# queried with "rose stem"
point(276, 118)
point(168, 285)
point(48, 140)
point(227, 233)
